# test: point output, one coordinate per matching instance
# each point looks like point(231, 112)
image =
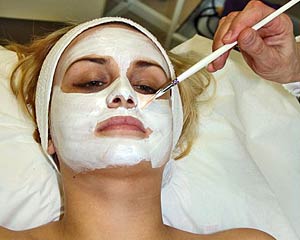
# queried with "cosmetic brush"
point(214, 55)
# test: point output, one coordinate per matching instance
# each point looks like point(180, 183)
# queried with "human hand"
point(271, 51)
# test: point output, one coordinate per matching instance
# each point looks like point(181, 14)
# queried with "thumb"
point(253, 45)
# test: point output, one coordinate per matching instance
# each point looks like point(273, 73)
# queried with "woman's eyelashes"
point(98, 85)
point(144, 89)
point(91, 85)
point(95, 85)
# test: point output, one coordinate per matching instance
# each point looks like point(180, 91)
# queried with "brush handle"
point(220, 51)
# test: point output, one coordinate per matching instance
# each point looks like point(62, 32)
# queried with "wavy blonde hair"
point(31, 56)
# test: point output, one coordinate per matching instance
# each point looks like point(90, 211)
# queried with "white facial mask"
point(123, 45)
point(74, 116)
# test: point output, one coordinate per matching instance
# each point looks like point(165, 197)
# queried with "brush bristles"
point(149, 101)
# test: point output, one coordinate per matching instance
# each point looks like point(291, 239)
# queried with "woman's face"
point(101, 81)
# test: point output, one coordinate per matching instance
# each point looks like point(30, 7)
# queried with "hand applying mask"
point(271, 52)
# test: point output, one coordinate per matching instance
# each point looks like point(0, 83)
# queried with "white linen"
point(29, 189)
point(244, 169)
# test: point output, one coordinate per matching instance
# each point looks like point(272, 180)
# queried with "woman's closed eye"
point(146, 77)
point(144, 89)
point(89, 75)
point(91, 85)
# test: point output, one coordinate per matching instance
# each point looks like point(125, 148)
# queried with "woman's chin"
point(141, 169)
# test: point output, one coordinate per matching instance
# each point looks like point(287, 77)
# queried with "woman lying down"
point(88, 93)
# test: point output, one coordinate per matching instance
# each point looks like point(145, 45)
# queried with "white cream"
point(74, 116)
point(123, 45)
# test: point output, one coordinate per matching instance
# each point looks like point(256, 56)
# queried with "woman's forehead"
point(121, 42)
point(115, 40)
point(92, 30)
point(110, 26)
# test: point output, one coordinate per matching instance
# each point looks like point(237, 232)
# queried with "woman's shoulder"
point(234, 234)
point(6, 234)
point(42, 232)
point(241, 234)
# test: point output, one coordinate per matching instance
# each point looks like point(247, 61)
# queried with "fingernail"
point(210, 67)
point(227, 36)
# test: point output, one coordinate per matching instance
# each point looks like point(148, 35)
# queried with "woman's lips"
point(124, 126)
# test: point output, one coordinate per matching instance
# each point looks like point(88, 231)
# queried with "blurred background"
point(172, 21)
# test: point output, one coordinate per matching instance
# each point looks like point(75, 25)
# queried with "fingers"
point(270, 51)
point(222, 29)
point(274, 58)
point(248, 17)
point(280, 26)
point(232, 25)
point(254, 46)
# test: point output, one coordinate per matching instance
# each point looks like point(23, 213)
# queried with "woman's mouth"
point(122, 126)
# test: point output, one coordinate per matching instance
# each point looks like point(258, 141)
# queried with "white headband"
point(45, 80)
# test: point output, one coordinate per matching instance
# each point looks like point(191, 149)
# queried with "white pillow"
point(244, 170)
point(29, 189)
point(225, 182)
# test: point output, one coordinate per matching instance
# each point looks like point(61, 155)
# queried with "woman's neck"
point(121, 203)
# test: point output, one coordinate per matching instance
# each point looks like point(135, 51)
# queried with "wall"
point(52, 10)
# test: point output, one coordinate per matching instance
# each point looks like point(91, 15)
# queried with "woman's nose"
point(121, 101)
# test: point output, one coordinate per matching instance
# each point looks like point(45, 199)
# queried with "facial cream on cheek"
point(73, 121)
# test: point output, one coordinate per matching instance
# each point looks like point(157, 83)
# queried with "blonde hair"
point(190, 91)
point(25, 76)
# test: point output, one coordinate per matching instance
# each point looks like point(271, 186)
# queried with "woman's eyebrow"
point(147, 63)
point(99, 60)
